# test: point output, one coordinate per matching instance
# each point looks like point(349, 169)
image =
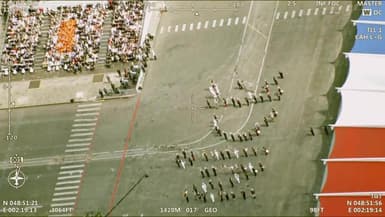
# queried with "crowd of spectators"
point(21, 40)
point(123, 44)
point(87, 34)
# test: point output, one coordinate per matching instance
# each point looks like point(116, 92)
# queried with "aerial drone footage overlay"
point(192, 108)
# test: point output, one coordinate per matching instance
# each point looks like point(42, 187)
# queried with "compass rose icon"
point(16, 178)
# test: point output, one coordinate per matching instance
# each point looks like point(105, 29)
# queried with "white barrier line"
point(63, 199)
point(69, 177)
point(65, 193)
point(88, 109)
point(76, 150)
point(83, 130)
point(62, 204)
point(68, 182)
point(244, 20)
point(78, 145)
point(293, 14)
point(199, 26)
point(67, 188)
point(277, 17)
point(80, 140)
point(214, 23)
point(87, 114)
point(308, 12)
point(81, 134)
point(89, 105)
point(84, 125)
point(72, 166)
point(70, 172)
point(229, 21)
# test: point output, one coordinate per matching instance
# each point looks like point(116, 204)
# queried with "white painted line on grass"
point(67, 188)
point(82, 134)
point(323, 11)
point(78, 145)
point(293, 14)
point(63, 199)
point(316, 11)
point(214, 23)
point(236, 21)
point(70, 172)
point(229, 21)
point(206, 24)
point(285, 15)
point(76, 150)
point(176, 28)
point(244, 20)
point(89, 105)
point(68, 182)
point(308, 12)
point(87, 114)
point(65, 193)
point(69, 177)
point(221, 22)
point(300, 13)
point(83, 130)
point(86, 119)
point(84, 125)
point(199, 26)
point(62, 204)
point(183, 27)
point(277, 17)
point(72, 166)
point(88, 109)
point(191, 26)
point(80, 140)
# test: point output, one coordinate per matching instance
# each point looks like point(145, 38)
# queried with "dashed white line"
point(199, 25)
point(221, 22)
point(62, 204)
point(69, 177)
point(214, 23)
point(87, 114)
point(83, 130)
point(68, 182)
point(88, 109)
point(191, 26)
point(65, 193)
point(81, 134)
point(308, 12)
point(300, 13)
point(229, 21)
point(183, 27)
point(316, 11)
point(70, 172)
point(80, 140)
point(84, 125)
point(244, 20)
point(340, 8)
point(236, 21)
point(63, 199)
point(277, 17)
point(323, 11)
point(76, 150)
point(169, 29)
point(72, 166)
point(78, 145)
point(86, 119)
point(206, 24)
point(89, 105)
point(66, 188)
point(176, 28)
point(285, 15)
point(293, 14)
point(332, 10)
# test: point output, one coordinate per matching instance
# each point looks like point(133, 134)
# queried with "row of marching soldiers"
point(251, 98)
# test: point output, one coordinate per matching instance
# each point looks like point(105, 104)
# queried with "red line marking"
point(85, 167)
point(121, 165)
